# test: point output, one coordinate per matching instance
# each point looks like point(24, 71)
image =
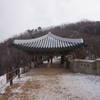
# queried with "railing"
point(8, 77)
point(11, 75)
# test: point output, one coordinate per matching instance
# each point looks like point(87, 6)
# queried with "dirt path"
point(54, 84)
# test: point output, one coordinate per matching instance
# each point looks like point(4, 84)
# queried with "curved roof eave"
point(49, 41)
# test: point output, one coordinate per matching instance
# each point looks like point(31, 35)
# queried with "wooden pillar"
point(35, 61)
point(48, 65)
point(41, 60)
point(51, 60)
point(67, 63)
point(62, 59)
point(48, 60)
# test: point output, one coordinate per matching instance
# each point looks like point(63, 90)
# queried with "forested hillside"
point(88, 30)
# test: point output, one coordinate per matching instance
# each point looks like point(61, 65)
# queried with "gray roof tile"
point(49, 41)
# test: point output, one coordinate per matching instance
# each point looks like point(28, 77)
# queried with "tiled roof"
point(48, 41)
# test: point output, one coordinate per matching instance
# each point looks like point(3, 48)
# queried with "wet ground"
point(53, 84)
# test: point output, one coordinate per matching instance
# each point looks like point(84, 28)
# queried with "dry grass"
point(8, 93)
point(53, 71)
point(25, 87)
point(30, 85)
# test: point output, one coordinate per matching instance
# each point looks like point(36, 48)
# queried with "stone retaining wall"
point(85, 66)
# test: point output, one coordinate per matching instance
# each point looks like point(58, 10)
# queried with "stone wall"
point(98, 66)
point(85, 66)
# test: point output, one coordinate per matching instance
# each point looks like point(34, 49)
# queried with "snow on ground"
point(82, 86)
point(3, 83)
point(55, 84)
point(72, 87)
point(2, 80)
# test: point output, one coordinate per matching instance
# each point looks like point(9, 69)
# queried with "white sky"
point(18, 15)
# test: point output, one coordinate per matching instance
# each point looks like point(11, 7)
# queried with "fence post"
point(18, 72)
point(11, 82)
point(11, 78)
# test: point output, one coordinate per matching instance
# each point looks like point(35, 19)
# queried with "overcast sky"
point(18, 15)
